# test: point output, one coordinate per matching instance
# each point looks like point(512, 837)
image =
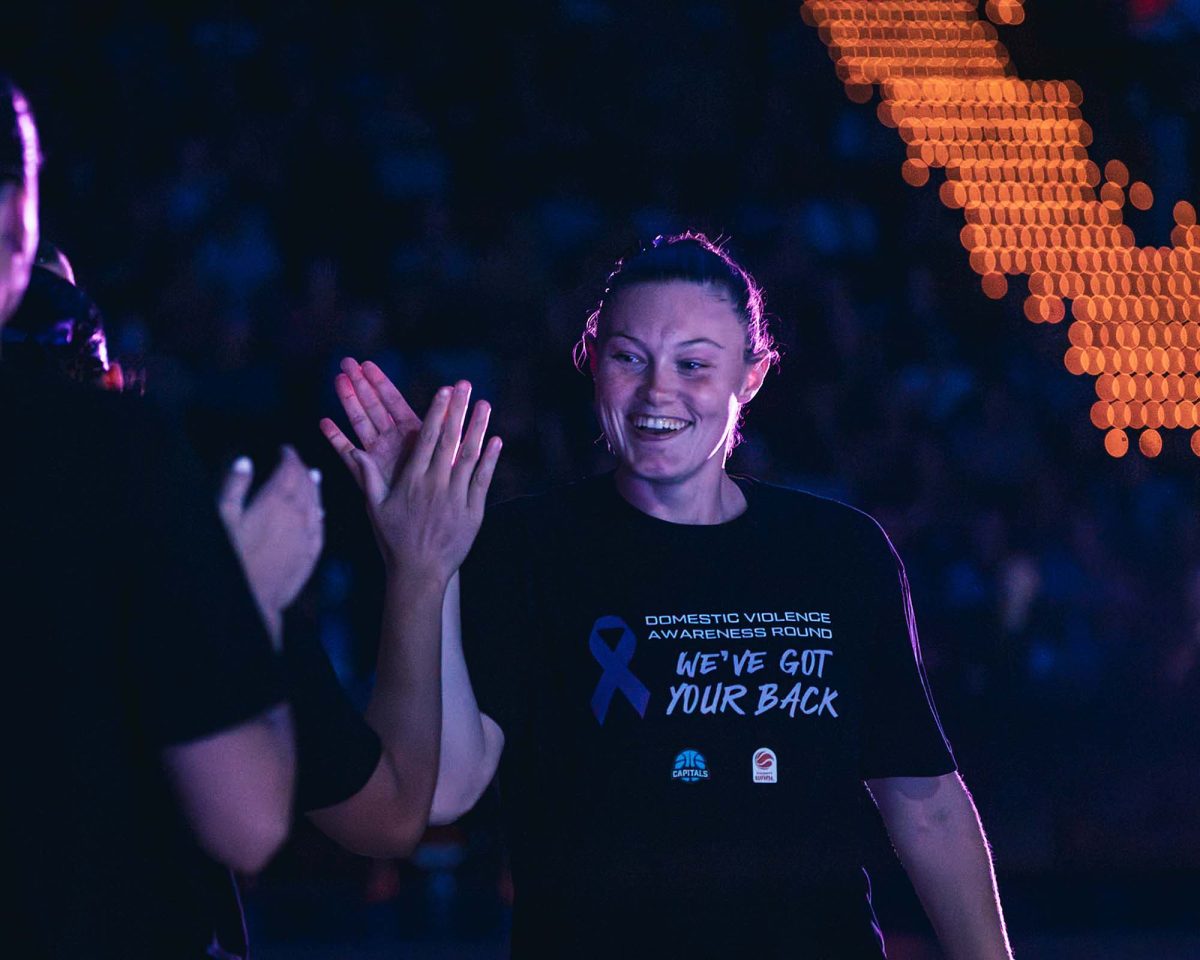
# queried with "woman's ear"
point(755, 375)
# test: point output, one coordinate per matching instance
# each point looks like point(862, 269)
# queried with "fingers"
point(431, 431)
point(364, 429)
point(291, 476)
point(482, 478)
point(368, 398)
point(472, 445)
point(343, 447)
point(299, 486)
point(292, 482)
point(392, 399)
point(374, 485)
point(446, 450)
point(232, 500)
point(316, 514)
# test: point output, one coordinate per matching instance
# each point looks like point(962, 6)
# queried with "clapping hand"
point(381, 418)
point(278, 535)
point(425, 483)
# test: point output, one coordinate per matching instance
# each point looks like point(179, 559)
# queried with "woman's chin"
point(657, 469)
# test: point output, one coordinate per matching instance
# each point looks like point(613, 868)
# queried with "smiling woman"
point(677, 347)
point(629, 750)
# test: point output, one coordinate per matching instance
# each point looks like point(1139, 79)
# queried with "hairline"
point(720, 290)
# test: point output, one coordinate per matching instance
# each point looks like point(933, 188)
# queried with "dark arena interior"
point(974, 225)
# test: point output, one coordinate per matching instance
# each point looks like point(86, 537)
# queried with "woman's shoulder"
point(819, 513)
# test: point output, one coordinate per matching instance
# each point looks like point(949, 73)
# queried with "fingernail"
point(314, 475)
point(242, 465)
point(443, 393)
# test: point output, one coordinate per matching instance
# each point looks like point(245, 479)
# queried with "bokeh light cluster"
point(1016, 163)
point(1006, 12)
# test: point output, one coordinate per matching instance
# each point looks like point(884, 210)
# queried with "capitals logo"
point(690, 767)
point(765, 768)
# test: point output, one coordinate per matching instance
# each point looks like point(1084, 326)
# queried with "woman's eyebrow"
point(618, 333)
point(686, 343)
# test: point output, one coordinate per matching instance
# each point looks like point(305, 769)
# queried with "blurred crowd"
point(253, 194)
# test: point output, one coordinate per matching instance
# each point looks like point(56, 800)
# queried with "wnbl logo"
point(765, 768)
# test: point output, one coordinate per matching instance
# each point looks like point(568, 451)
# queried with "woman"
point(684, 677)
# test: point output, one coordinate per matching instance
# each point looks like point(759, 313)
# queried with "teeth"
point(659, 423)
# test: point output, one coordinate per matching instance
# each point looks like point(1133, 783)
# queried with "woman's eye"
point(626, 358)
point(691, 366)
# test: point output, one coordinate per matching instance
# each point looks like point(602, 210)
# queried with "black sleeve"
point(495, 632)
point(902, 735)
point(336, 750)
point(200, 654)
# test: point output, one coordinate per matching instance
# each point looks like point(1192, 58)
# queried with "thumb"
point(372, 480)
point(233, 491)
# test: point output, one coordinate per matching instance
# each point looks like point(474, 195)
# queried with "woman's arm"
point(235, 788)
point(471, 741)
point(387, 817)
point(418, 693)
point(937, 834)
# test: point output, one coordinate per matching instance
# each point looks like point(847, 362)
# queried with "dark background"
point(251, 192)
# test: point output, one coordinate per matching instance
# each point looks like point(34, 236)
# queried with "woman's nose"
point(658, 387)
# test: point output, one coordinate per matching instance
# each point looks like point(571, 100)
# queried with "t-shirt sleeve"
point(902, 735)
point(201, 655)
point(336, 749)
point(495, 624)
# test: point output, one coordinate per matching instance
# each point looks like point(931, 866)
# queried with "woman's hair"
point(691, 257)
point(57, 329)
point(19, 153)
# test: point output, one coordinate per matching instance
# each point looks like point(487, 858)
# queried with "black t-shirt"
point(689, 713)
point(336, 751)
point(127, 627)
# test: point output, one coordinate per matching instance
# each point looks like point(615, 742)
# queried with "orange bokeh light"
point(1015, 159)
point(995, 286)
point(1116, 442)
point(1111, 193)
point(1150, 443)
point(1140, 195)
point(1116, 172)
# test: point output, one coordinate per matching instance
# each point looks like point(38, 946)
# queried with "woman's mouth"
point(658, 426)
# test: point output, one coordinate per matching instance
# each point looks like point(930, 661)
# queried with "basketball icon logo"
point(690, 767)
point(765, 767)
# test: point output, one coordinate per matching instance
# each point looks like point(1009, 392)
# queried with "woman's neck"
point(699, 500)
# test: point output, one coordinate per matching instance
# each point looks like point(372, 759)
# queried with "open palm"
point(382, 420)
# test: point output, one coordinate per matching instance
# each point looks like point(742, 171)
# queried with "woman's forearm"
point(406, 703)
point(937, 834)
point(470, 741)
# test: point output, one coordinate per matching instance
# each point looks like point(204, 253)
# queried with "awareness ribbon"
point(615, 663)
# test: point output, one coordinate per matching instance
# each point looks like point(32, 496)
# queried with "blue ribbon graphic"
point(615, 663)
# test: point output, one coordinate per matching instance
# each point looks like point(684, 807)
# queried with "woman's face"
point(671, 374)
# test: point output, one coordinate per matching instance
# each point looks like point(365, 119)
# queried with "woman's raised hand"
point(278, 534)
point(425, 490)
point(381, 418)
